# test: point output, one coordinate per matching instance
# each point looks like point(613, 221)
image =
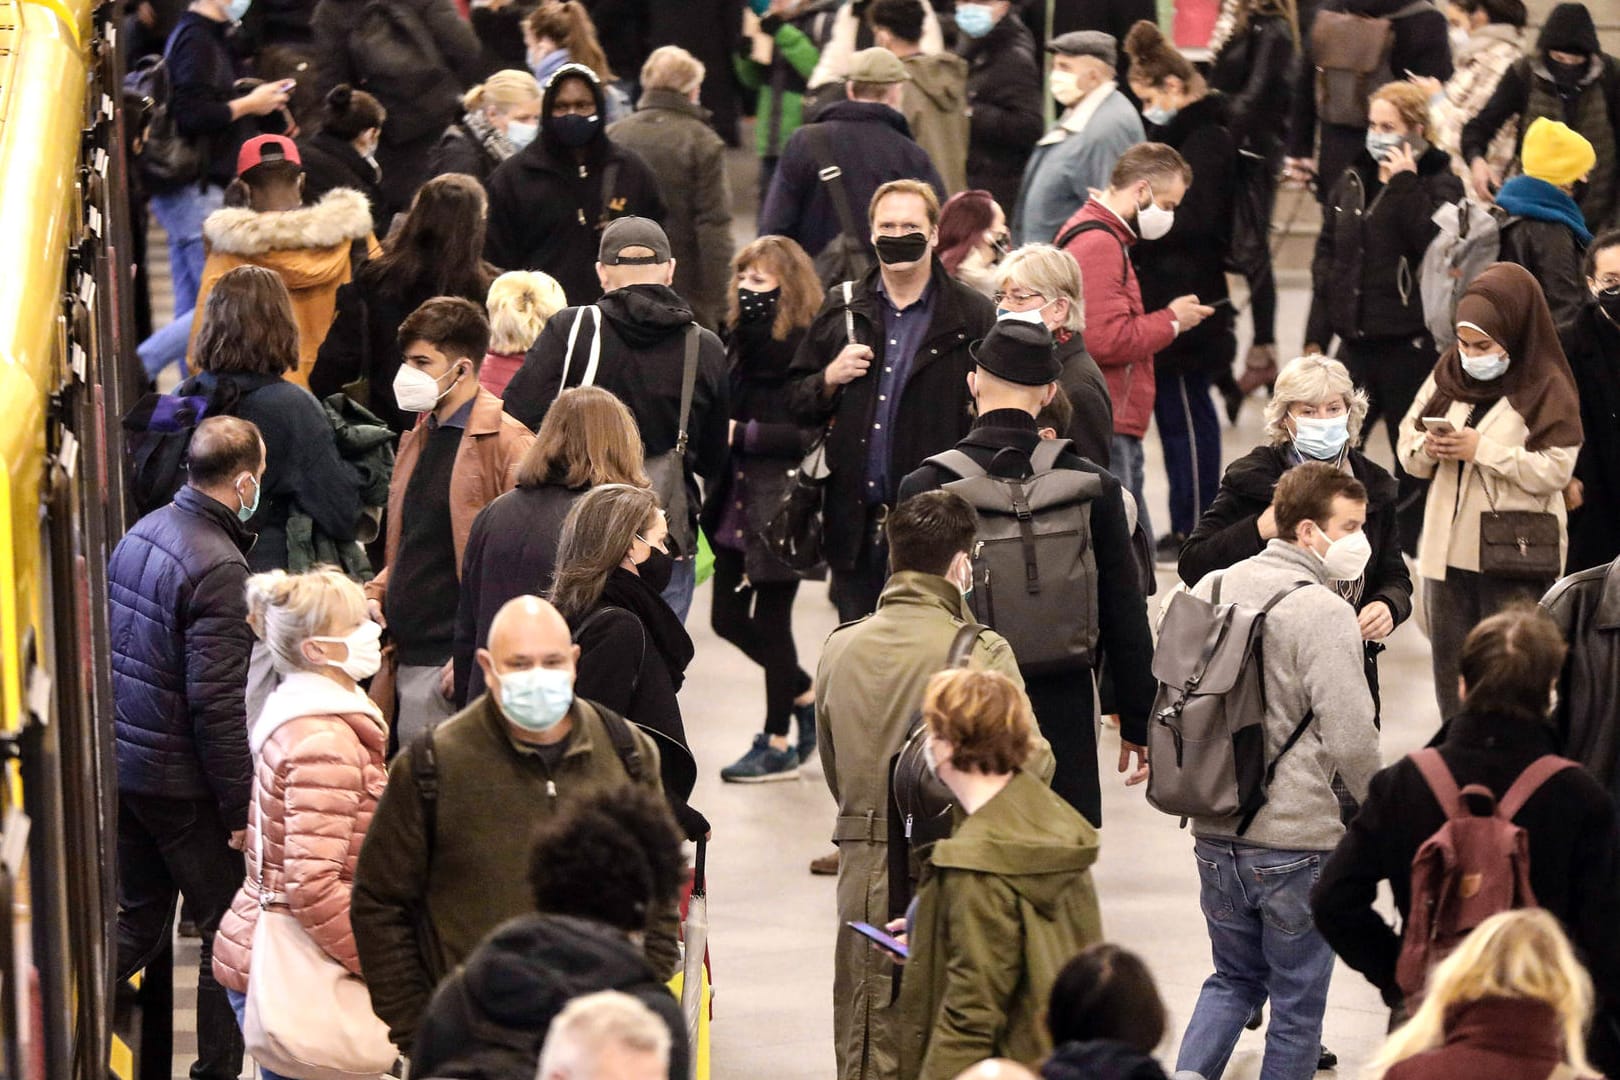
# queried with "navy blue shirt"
point(903, 333)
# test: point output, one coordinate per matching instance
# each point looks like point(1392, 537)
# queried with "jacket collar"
point(1283, 553)
point(1518, 1027)
point(192, 501)
point(1499, 731)
point(1207, 110)
point(913, 587)
point(1097, 209)
point(1078, 115)
point(341, 217)
point(487, 414)
point(579, 737)
point(306, 693)
point(669, 99)
point(1608, 610)
point(947, 316)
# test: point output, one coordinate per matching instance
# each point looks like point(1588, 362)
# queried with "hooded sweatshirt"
point(312, 248)
point(489, 1019)
point(935, 105)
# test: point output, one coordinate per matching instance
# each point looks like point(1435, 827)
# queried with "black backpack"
point(167, 159)
point(157, 439)
point(396, 61)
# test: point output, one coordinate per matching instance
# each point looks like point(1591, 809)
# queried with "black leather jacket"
point(1586, 607)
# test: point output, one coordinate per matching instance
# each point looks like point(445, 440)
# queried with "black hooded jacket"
point(546, 203)
point(1100, 1059)
point(489, 1018)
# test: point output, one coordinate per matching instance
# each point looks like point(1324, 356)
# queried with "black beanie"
point(1569, 29)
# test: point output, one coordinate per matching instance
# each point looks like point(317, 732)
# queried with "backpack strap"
point(1044, 457)
point(425, 771)
point(957, 462)
point(689, 366)
point(1529, 782)
point(1097, 226)
point(624, 743)
point(962, 645)
point(1441, 783)
point(610, 180)
point(832, 177)
point(1282, 594)
point(1271, 769)
point(1416, 7)
point(595, 358)
point(1215, 587)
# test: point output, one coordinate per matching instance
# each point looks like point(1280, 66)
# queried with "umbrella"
point(695, 938)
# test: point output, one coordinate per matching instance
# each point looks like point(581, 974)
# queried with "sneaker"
point(805, 717)
point(825, 865)
point(762, 763)
point(1328, 1060)
point(1168, 550)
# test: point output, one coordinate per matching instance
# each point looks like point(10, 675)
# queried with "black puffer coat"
point(1256, 71)
point(1592, 345)
point(766, 444)
point(1370, 249)
point(489, 1019)
point(546, 205)
point(933, 413)
point(180, 643)
point(1004, 101)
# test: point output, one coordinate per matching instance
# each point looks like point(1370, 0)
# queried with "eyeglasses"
point(1608, 281)
point(1016, 297)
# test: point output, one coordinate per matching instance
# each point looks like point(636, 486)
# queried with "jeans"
point(682, 584)
point(181, 213)
point(169, 848)
point(1126, 458)
point(758, 619)
point(1191, 437)
point(1455, 606)
point(1257, 906)
point(239, 1004)
point(167, 346)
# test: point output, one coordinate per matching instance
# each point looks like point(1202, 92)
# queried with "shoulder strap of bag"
point(1416, 7)
point(1095, 226)
point(957, 462)
point(832, 176)
point(1215, 587)
point(848, 289)
point(266, 898)
point(962, 644)
point(595, 357)
point(610, 181)
point(1271, 769)
point(425, 771)
point(624, 744)
point(1044, 457)
point(1529, 782)
point(1441, 783)
point(1282, 594)
point(689, 366)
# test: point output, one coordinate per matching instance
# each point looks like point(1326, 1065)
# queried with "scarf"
point(1225, 24)
point(496, 145)
point(1526, 196)
point(626, 590)
point(1506, 302)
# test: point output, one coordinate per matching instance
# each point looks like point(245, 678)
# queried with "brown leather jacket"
point(319, 770)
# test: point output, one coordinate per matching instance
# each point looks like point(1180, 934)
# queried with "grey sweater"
point(1313, 661)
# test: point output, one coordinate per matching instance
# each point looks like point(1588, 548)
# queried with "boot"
point(1259, 369)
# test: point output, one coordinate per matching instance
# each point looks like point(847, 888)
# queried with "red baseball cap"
point(263, 148)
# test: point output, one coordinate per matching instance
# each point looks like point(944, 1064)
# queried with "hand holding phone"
point(891, 945)
point(1438, 425)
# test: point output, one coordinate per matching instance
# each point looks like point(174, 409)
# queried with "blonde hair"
point(519, 303)
point(1311, 379)
point(589, 1025)
point(670, 67)
point(1410, 102)
point(920, 188)
point(503, 92)
point(285, 610)
point(1518, 954)
point(1053, 273)
point(983, 715)
point(588, 438)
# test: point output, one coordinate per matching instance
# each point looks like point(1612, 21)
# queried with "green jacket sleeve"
point(983, 967)
point(749, 73)
point(663, 923)
point(797, 49)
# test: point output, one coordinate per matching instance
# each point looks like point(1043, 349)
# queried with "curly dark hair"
point(612, 857)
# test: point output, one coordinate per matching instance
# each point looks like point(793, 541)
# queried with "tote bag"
point(306, 1016)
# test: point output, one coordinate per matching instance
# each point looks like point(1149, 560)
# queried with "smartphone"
point(884, 941)
point(287, 85)
point(1223, 302)
point(1438, 425)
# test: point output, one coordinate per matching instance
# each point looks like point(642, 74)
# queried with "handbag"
point(1522, 545)
point(306, 1016)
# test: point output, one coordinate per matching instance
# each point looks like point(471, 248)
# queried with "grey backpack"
point(1207, 734)
point(1034, 570)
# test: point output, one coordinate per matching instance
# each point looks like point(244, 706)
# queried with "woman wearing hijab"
point(1496, 427)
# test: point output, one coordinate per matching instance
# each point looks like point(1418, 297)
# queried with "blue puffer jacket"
point(180, 643)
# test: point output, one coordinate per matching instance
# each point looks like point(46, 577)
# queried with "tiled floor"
point(773, 925)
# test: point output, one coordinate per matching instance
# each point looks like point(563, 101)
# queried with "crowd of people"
point(478, 389)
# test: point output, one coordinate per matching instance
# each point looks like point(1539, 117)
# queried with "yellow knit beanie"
point(1555, 153)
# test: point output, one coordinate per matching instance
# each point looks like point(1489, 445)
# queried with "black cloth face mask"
point(901, 249)
point(753, 306)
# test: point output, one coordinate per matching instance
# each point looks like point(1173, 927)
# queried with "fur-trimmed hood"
point(341, 217)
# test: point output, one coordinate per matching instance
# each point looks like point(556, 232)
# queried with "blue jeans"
point(1126, 461)
point(682, 584)
point(239, 1003)
point(166, 346)
point(1191, 436)
point(1257, 905)
point(181, 213)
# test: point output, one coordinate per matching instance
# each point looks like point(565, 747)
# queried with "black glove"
point(770, 23)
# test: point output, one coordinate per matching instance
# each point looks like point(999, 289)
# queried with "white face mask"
point(364, 643)
point(1486, 366)
point(1153, 220)
point(1065, 86)
point(418, 392)
point(1345, 557)
point(1033, 316)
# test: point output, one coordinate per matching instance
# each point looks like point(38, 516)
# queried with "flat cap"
point(877, 65)
point(1019, 352)
point(1086, 43)
point(633, 232)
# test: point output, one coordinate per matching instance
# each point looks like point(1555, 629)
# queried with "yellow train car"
point(64, 379)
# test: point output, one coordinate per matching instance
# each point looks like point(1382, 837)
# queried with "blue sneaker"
point(805, 716)
point(762, 764)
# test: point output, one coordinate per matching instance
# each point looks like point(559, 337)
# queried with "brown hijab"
point(1506, 302)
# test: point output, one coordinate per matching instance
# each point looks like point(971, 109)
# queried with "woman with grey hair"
point(1041, 283)
point(1315, 414)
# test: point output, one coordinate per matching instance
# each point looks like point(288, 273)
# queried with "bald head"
point(997, 1069)
point(526, 633)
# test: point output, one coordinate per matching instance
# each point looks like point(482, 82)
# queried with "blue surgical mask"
point(237, 8)
point(520, 134)
point(974, 20)
point(1487, 367)
point(246, 510)
point(538, 698)
point(1380, 144)
point(1157, 115)
point(1321, 439)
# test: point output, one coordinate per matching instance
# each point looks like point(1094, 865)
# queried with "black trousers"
point(758, 619)
point(1063, 706)
point(855, 591)
point(1392, 371)
point(169, 848)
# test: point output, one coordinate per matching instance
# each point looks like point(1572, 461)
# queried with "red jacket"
point(1119, 335)
point(1492, 1039)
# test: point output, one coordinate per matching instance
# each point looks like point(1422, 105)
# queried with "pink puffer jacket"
point(319, 770)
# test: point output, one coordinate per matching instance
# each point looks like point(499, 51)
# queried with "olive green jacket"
point(1004, 904)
